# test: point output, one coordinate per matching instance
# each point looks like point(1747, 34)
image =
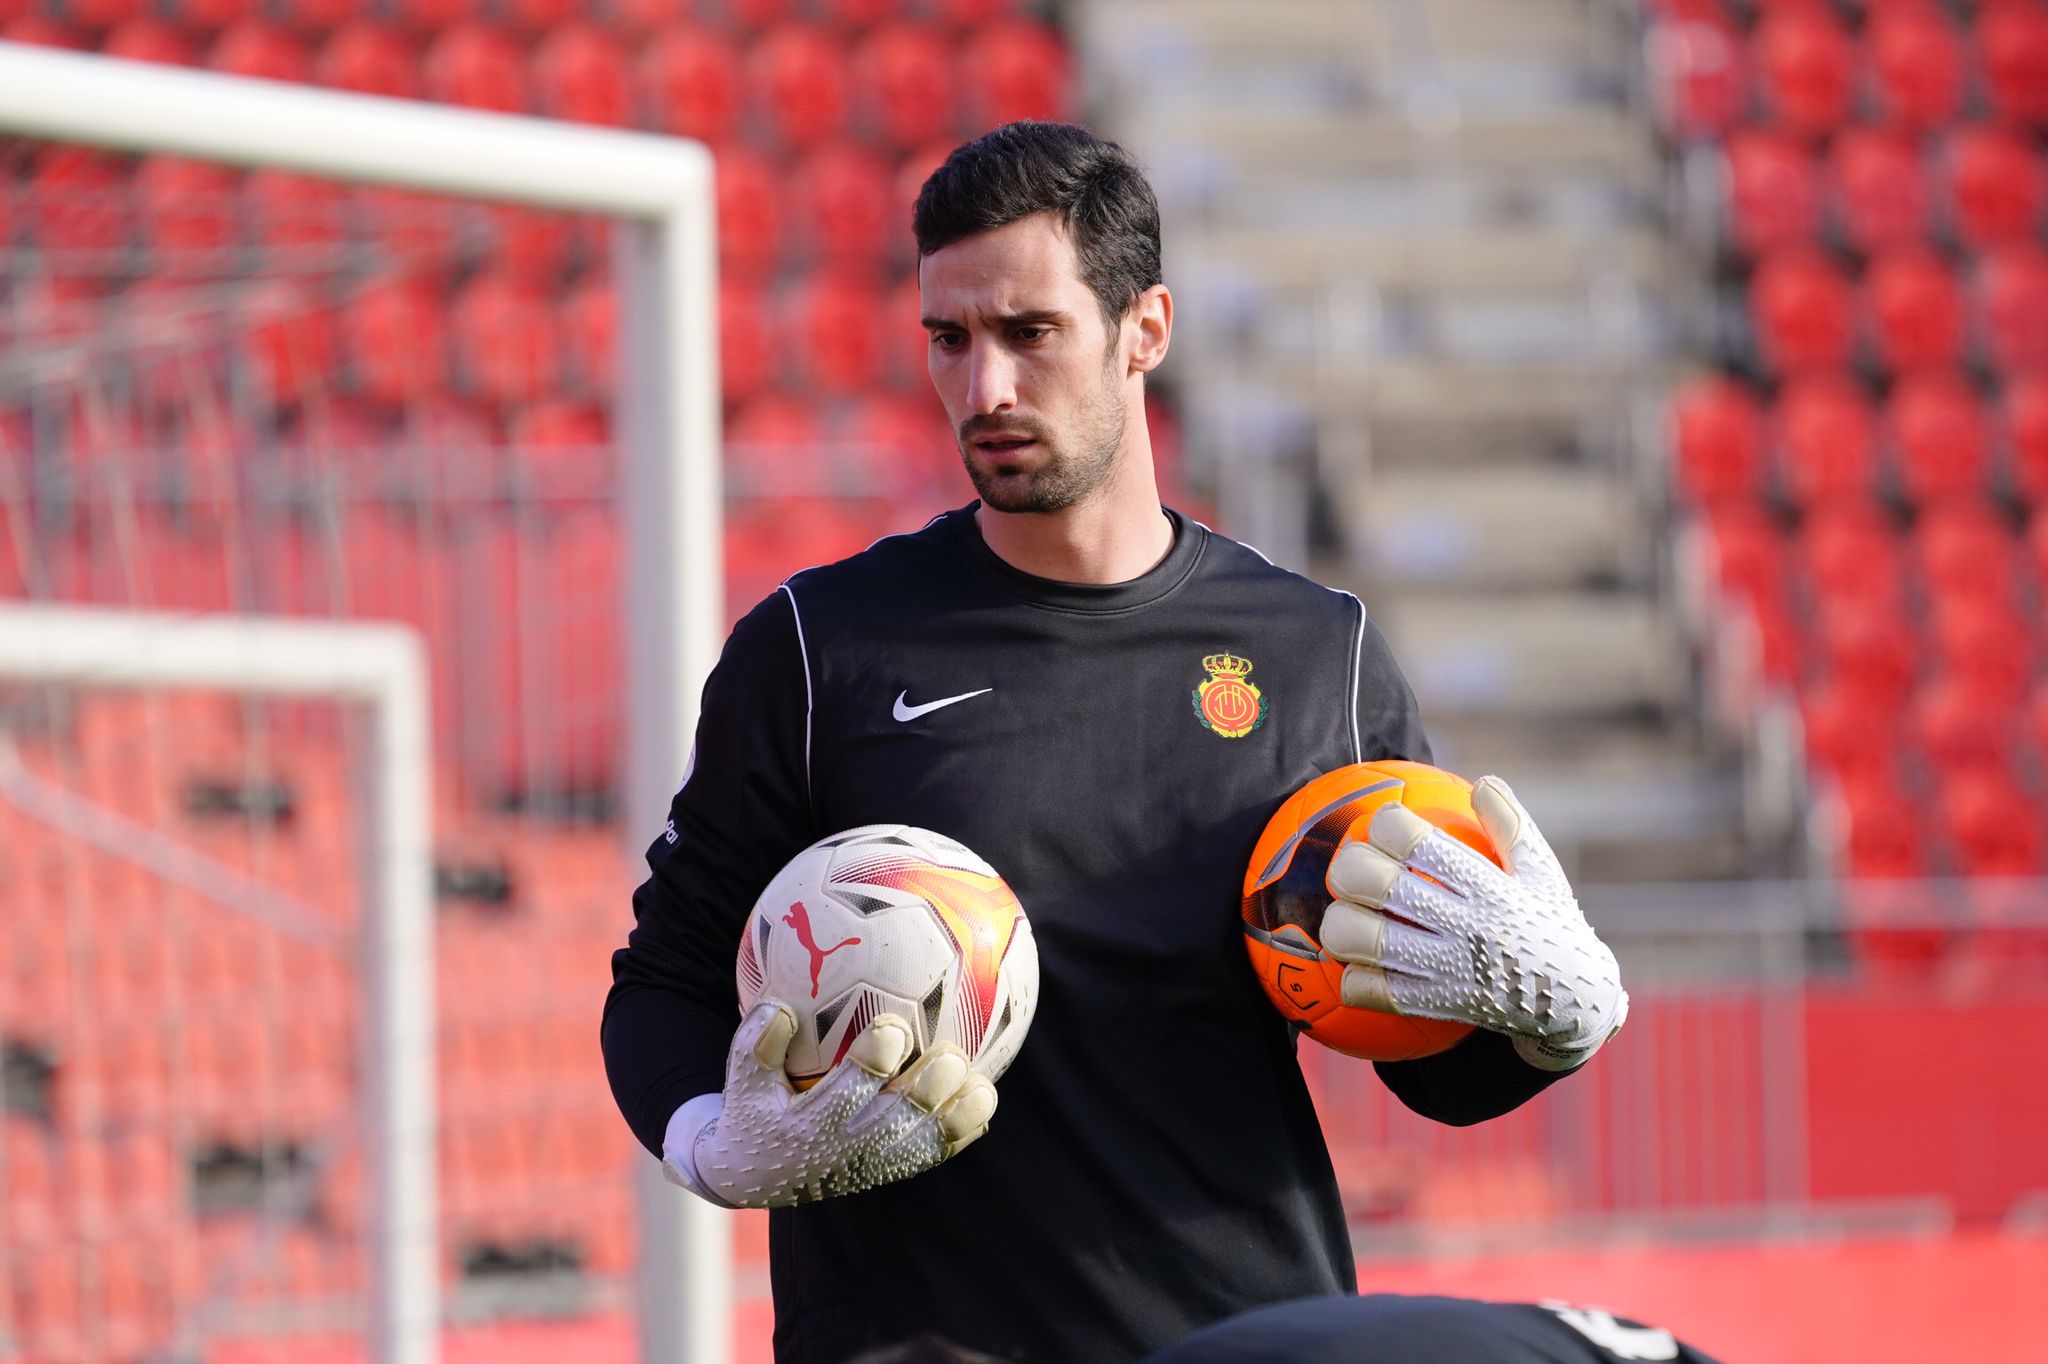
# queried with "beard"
point(1066, 472)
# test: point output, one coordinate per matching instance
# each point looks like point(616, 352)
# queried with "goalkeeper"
point(1016, 675)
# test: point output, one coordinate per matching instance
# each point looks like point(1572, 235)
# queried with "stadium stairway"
point(1421, 283)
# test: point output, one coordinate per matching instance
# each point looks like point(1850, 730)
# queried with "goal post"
point(659, 190)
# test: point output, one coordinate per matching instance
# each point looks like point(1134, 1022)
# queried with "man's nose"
point(991, 381)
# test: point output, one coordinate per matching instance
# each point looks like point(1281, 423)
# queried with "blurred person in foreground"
point(1016, 675)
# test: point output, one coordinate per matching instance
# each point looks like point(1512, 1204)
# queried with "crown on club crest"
point(1220, 666)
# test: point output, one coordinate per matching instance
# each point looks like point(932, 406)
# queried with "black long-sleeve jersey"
point(1154, 1163)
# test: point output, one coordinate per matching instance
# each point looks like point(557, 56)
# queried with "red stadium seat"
point(1805, 68)
point(1917, 62)
point(833, 322)
point(747, 352)
point(1984, 643)
point(1827, 445)
point(751, 214)
point(282, 209)
point(97, 15)
point(1699, 73)
point(843, 204)
point(775, 448)
point(589, 327)
point(906, 346)
point(185, 205)
point(2014, 284)
point(1915, 309)
point(478, 67)
point(533, 16)
point(967, 14)
point(2034, 720)
point(689, 84)
point(146, 38)
point(392, 338)
point(580, 74)
point(1748, 553)
point(1851, 554)
point(1880, 188)
point(797, 76)
point(370, 60)
point(1959, 727)
point(907, 447)
point(1717, 439)
point(1939, 435)
point(504, 340)
point(78, 200)
point(904, 77)
point(2024, 414)
point(1017, 69)
point(1800, 303)
point(292, 338)
point(1990, 825)
point(254, 48)
point(533, 246)
point(423, 233)
point(1966, 549)
point(558, 424)
point(426, 17)
point(2014, 41)
point(1886, 834)
point(1994, 186)
point(1773, 191)
point(1869, 649)
point(1851, 731)
point(443, 422)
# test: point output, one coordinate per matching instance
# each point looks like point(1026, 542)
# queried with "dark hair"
point(1023, 168)
point(925, 1349)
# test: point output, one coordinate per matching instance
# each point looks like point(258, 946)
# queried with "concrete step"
point(1313, 31)
point(1519, 526)
point(1477, 259)
point(1542, 655)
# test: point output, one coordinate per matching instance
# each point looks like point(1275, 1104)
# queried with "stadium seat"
point(589, 321)
point(2014, 285)
point(2023, 412)
point(1869, 649)
point(1990, 825)
point(1964, 548)
point(1805, 66)
point(558, 424)
point(370, 60)
point(1019, 69)
point(1717, 441)
point(1748, 555)
point(1916, 62)
point(689, 84)
point(1887, 834)
point(1915, 309)
point(832, 320)
point(908, 449)
point(532, 17)
point(532, 245)
point(421, 233)
point(1985, 644)
point(504, 340)
point(426, 17)
point(478, 67)
point(393, 341)
point(36, 30)
point(1994, 186)
point(2013, 40)
point(1938, 433)
point(291, 338)
point(283, 209)
point(78, 200)
point(1826, 437)
point(843, 204)
point(905, 80)
point(1879, 188)
point(1774, 197)
point(1851, 553)
point(1850, 730)
point(1782, 645)
point(254, 48)
point(1699, 73)
point(747, 353)
point(1800, 303)
point(798, 82)
point(580, 73)
point(184, 206)
point(146, 38)
point(442, 422)
point(906, 346)
point(751, 214)
point(773, 447)
point(1960, 727)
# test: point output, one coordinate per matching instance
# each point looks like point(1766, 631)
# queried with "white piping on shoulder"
point(1357, 667)
point(803, 652)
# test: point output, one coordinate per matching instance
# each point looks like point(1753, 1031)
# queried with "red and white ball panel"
point(890, 918)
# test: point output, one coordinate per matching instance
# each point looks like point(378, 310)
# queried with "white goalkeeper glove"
point(1430, 928)
point(760, 1144)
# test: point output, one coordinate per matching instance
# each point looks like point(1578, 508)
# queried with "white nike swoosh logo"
point(904, 712)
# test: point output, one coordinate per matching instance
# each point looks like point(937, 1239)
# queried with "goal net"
point(283, 371)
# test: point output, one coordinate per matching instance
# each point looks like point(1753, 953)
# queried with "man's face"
point(1032, 378)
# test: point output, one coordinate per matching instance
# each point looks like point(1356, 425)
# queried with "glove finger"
point(851, 1085)
point(1522, 847)
point(1367, 987)
point(965, 1116)
point(934, 1078)
point(1353, 933)
point(761, 1045)
point(881, 1047)
point(1362, 874)
point(1405, 835)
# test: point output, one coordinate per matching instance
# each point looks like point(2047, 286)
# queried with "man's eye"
point(946, 340)
point(1029, 334)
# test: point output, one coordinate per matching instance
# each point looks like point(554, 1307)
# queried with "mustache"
point(1029, 427)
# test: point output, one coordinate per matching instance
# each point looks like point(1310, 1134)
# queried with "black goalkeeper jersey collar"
point(1156, 584)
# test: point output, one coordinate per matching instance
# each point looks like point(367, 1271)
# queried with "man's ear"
point(1152, 317)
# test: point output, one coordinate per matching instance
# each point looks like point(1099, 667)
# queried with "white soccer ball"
point(889, 918)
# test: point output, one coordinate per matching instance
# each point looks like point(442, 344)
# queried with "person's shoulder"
point(1237, 561)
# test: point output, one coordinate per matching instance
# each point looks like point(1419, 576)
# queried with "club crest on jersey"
point(1227, 703)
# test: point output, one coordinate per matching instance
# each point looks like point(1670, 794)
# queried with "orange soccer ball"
point(1285, 895)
